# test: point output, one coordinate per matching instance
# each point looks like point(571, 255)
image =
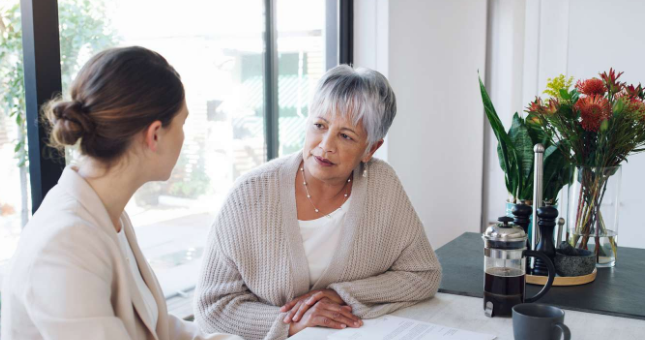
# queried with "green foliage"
point(523, 145)
point(558, 86)
point(12, 90)
point(83, 31)
point(516, 156)
point(505, 151)
point(557, 172)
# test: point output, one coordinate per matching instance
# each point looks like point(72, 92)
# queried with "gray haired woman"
point(323, 237)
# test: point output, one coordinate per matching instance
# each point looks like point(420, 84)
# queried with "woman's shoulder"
point(60, 220)
point(58, 236)
point(382, 171)
point(266, 173)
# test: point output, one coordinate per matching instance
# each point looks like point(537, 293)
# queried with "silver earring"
point(365, 172)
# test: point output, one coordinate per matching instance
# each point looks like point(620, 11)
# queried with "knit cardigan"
point(255, 260)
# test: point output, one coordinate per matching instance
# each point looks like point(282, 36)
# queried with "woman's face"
point(334, 147)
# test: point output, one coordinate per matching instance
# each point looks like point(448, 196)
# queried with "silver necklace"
point(304, 183)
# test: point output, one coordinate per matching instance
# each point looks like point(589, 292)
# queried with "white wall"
point(575, 37)
point(505, 66)
point(434, 49)
point(371, 48)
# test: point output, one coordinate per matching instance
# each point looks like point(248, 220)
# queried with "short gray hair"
point(360, 94)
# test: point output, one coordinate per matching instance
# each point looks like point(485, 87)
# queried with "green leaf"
point(506, 152)
point(510, 181)
point(537, 133)
point(574, 96)
point(567, 111)
point(557, 172)
point(565, 94)
point(523, 145)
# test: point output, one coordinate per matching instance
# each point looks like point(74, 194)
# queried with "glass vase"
point(593, 212)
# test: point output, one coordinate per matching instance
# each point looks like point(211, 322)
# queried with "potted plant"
point(516, 155)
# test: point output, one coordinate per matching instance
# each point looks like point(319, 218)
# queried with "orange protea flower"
point(538, 107)
point(534, 106)
point(591, 87)
point(553, 106)
point(593, 111)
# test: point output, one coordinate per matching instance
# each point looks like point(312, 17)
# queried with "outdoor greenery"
point(83, 30)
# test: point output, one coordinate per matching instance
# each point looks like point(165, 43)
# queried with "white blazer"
point(69, 279)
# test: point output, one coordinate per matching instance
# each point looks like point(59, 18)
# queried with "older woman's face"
point(334, 147)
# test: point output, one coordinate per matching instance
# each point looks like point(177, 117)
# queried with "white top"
point(320, 238)
point(148, 298)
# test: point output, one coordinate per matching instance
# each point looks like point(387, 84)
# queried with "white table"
point(467, 313)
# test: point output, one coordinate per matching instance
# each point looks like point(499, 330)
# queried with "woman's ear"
point(373, 149)
point(152, 136)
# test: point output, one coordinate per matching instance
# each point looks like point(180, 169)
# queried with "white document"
point(396, 328)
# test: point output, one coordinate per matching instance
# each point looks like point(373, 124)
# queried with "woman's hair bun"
point(69, 121)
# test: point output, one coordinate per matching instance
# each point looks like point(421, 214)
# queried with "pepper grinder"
point(547, 216)
point(522, 213)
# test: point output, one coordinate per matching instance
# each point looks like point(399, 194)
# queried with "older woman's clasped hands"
point(319, 308)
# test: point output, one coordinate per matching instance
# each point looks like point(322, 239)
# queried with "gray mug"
point(533, 321)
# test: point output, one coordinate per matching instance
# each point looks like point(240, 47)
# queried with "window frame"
point(41, 53)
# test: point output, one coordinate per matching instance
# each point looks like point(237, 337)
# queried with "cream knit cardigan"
point(255, 261)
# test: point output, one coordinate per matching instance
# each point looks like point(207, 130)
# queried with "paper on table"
point(396, 328)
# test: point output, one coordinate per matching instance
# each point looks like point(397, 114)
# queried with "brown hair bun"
point(70, 122)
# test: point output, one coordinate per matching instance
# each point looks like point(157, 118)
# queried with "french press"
point(505, 268)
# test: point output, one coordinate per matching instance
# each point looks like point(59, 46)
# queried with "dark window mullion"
point(346, 32)
point(271, 113)
point(41, 51)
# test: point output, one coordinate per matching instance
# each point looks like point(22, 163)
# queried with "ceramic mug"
point(532, 321)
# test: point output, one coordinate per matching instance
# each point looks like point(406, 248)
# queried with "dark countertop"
point(618, 291)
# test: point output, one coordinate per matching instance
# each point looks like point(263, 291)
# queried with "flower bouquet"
point(596, 124)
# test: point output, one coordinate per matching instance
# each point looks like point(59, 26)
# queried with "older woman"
point(323, 237)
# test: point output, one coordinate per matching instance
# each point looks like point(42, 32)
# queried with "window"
point(15, 203)
point(222, 50)
point(217, 48)
point(301, 63)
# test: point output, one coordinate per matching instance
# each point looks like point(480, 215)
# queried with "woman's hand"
point(326, 314)
point(299, 306)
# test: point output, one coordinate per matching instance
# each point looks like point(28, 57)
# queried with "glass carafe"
point(505, 268)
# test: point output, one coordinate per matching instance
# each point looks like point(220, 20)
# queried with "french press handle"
point(551, 270)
